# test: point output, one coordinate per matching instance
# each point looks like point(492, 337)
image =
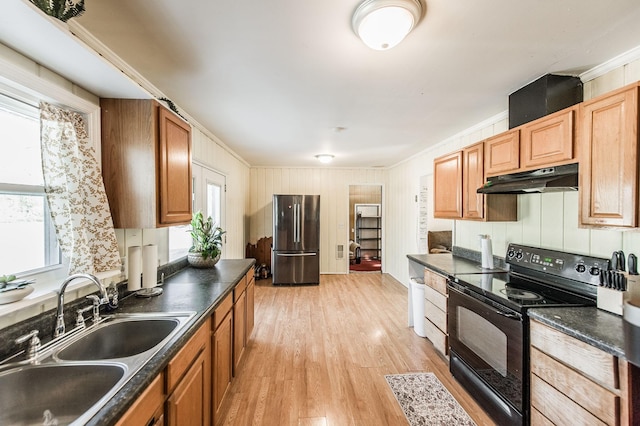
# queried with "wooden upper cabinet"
point(472, 179)
point(548, 141)
point(608, 160)
point(146, 164)
point(447, 182)
point(175, 169)
point(502, 153)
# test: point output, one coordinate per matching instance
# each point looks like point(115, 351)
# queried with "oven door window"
point(490, 341)
point(485, 340)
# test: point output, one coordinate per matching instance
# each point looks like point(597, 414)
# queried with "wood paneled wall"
point(213, 155)
point(333, 187)
point(549, 220)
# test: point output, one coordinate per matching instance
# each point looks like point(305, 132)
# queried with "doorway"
point(365, 228)
point(209, 190)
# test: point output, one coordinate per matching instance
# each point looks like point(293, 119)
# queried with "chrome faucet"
point(104, 298)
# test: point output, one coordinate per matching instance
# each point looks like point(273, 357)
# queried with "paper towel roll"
point(134, 266)
point(486, 252)
point(149, 266)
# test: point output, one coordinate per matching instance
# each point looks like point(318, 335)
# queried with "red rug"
point(367, 265)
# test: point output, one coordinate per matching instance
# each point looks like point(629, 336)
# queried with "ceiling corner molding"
point(81, 33)
point(612, 64)
point(100, 48)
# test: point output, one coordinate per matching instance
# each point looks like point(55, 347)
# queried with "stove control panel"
point(566, 265)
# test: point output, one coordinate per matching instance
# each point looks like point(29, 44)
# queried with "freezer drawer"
point(296, 268)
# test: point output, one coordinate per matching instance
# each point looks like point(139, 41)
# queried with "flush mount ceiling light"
point(324, 158)
point(382, 24)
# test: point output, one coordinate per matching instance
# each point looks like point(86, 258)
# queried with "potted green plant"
point(207, 242)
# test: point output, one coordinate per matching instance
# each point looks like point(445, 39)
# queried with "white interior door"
point(209, 197)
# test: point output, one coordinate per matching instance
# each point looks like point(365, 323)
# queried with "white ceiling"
point(279, 81)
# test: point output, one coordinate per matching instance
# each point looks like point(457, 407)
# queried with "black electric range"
point(489, 329)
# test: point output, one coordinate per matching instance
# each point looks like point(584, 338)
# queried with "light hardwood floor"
point(318, 356)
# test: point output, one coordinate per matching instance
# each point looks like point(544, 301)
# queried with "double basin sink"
point(77, 375)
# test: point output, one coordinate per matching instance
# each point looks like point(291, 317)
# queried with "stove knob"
point(519, 255)
point(580, 268)
point(511, 253)
point(594, 270)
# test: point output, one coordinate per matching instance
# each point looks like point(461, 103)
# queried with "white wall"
point(333, 187)
point(549, 220)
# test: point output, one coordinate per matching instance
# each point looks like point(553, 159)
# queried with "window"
point(27, 236)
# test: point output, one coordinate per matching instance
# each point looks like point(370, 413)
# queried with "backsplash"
point(549, 221)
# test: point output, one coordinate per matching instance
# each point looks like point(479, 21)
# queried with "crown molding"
point(610, 65)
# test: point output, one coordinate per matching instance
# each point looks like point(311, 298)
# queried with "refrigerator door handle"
point(297, 219)
point(295, 254)
point(295, 222)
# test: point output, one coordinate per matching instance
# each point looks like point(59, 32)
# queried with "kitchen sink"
point(119, 338)
point(74, 376)
point(44, 394)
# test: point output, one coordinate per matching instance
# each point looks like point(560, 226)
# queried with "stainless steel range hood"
point(548, 179)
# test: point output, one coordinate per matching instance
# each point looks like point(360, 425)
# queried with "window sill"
point(44, 297)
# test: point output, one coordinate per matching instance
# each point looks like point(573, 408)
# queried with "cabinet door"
point(502, 153)
point(175, 169)
point(609, 164)
point(472, 179)
point(447, 183)
point(548, 141)
point(239, 325)
point(189, 404)
point(250, 308)
point(222, 362)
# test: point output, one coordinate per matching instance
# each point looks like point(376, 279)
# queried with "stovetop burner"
point(519, 294)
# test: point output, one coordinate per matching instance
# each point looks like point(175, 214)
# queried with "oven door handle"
point(509, 315)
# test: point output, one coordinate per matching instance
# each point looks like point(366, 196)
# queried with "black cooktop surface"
point(518, 292)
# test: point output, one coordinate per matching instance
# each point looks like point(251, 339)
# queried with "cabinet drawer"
point(557, 407)
point(590, 361)
point(437, 337)
point(239, 289)
point(436, 315)
point(249, 276)
point(222, 310)
point(438, 299)
point(594, 398)
point(435, 281)
point(146, 406)
point(182, 361)
point(537, 419)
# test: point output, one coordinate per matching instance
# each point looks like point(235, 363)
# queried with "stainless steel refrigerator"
point(295, 258)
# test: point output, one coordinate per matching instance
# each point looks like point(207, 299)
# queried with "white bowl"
point(15, 295)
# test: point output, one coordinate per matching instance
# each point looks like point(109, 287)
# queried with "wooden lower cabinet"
point(191, 389)
point(189, 404)
point(189, 382)
point(222, 353)
point(251, 288)
point(239, 329)
point(435, 310)
point(573, 382)
point(148, 410)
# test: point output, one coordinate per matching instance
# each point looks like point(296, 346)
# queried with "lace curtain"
point(75, 193)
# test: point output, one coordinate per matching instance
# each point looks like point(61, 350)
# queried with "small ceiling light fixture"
point(324, 158)
point(382, 24)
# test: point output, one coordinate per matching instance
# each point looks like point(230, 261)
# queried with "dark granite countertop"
point(190, 290)
point(589, 324)
point(450, 264)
